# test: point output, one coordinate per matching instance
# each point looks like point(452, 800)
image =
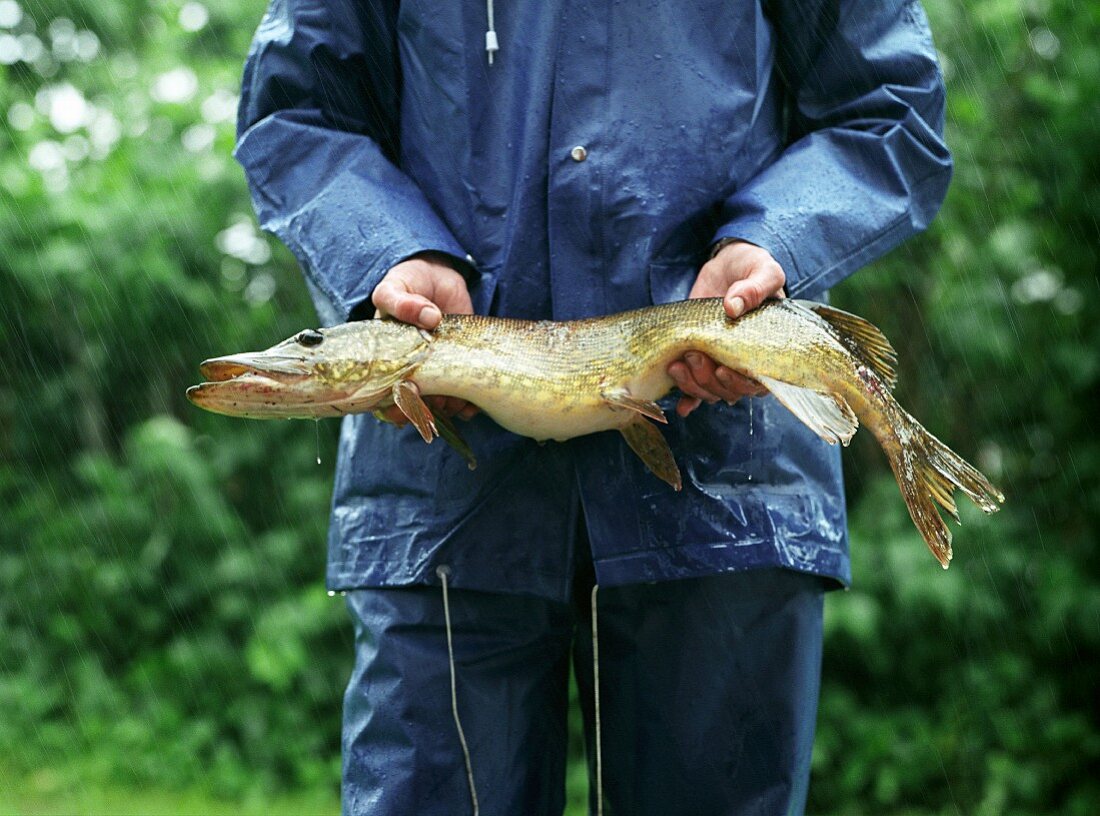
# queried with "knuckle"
point(712, 268)
point(383, 294)
point(753, 291)
point(708, 381)
point(744, 384)
point(697, 378)
point(407, 309)
point(450, 283)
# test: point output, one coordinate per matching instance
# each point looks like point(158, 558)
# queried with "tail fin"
point(928, 472)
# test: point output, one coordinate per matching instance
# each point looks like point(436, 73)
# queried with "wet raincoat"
point(587, 170)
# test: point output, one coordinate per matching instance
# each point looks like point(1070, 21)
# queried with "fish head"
point(340, 370)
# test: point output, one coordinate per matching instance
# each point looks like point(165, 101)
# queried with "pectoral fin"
point(449, 434)
point(407, 397)
point(650, 445)
point(827, 415)
point(621, 398)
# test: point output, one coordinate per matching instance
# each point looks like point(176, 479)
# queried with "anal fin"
point(650, 445)
point(621, 398)
point(826, 415)
point(407, 397)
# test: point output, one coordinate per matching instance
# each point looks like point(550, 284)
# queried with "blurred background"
point(166, 643)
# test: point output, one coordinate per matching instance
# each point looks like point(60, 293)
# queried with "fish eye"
point(309, 337)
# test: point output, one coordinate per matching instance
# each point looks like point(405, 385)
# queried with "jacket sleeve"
point(318, 139)
point(865, 166)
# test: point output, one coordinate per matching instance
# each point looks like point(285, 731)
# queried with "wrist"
point(434, 257)
point(719, 245)
point(739, 247)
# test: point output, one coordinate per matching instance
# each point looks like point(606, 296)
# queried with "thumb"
point(763, 281)
point(395, 302)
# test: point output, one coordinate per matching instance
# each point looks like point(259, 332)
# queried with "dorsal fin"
point(864, 340)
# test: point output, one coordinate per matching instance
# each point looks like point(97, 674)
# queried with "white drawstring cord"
point(596, 704)
point(491, 44)
point(443, 571)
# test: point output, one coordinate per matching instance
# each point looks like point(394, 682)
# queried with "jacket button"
point(578, 153)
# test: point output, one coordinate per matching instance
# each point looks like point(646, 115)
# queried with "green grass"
point(47, 792)
point(54, 792)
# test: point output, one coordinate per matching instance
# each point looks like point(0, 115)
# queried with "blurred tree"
point(160, 581)
point(975, 691)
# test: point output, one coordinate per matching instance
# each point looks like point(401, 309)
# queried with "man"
point(559, 160)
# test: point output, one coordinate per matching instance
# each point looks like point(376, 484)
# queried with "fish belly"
point(559, 417)
point(560, 425)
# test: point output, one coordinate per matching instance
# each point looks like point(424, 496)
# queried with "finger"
point(702, 369)
point(686, 405)
point(681, 375)
point(395, 415)
point(452, 295)
point(736, 385)
point(710, 282)
point(735, 381)
point(469, 412)
point(452, 406)
point(437, 404)
point(393, 300)
point(762, 282)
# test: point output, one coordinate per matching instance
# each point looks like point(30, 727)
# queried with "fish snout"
point(220, 369)
point(197, 394)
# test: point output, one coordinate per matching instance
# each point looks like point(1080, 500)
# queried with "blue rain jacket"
point(371, 131)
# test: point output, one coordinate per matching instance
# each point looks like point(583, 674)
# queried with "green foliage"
point(973, 691)
point(160, 577)
point(163, 618)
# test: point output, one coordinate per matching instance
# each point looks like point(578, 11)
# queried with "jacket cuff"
point(346, 213)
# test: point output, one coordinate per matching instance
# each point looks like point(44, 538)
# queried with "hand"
point(744, 276)
point(420, 291)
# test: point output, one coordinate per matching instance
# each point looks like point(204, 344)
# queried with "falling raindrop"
point(750, 437)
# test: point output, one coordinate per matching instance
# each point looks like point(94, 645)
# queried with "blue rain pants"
point(708, 688)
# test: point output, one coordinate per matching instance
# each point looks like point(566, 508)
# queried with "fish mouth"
point(265, 385)
point(256, 384)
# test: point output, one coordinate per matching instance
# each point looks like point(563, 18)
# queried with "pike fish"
point(557, 380)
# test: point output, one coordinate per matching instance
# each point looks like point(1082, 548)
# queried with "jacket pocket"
point(670, 281)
